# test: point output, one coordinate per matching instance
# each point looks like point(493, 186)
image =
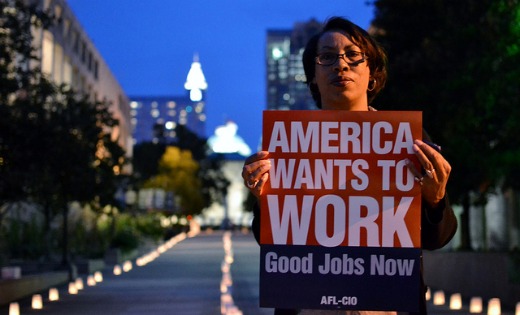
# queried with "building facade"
point(285, 78)
point(69, 56)
point(154, 118)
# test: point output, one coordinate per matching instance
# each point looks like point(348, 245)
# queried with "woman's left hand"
point(437, 171)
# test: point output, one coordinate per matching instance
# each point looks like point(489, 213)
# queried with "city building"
point(285, 78)
point(226, 141)
point(154, 118)
point(69, 56)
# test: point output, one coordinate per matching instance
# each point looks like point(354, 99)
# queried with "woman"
point(345, 70)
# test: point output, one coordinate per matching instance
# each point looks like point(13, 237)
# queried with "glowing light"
point(475, 305)
point(438, 298)
point(79, 283)
point(223, 288)
point(169, 125)
point(14, 308)
point(91, 281)
point(195, 82)
point(54, 295)
point(428, 294)
point(494, 307)
point(277, 53)
point(455, 301)
point(517, 310)
point(127, 266)
point(226, 140)
point(98, 276)
point(72, 288)
point(229, 259)
point(117, 270)
point(37, 303)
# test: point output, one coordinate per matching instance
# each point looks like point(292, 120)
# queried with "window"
point(57, 11)
point(66, 28)
point(96, 69)
point(57, 73)
point(83, 51)
point(67, 71)
point(75, 41)
point(47, 52)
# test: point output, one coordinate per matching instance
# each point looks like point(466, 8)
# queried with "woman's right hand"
point(256, 172)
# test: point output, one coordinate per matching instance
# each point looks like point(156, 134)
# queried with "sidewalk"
point(182, 280)
point(185, 280)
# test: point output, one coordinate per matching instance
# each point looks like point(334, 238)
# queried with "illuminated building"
point(154, 118)
point(234, 150)
point(69, 56)
point(285, 81)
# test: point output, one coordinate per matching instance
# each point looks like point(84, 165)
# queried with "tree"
point(178, 175)
point(457, 61)
point(145, 160)
point(211, 181)
point(55, 145)
point(17, 80)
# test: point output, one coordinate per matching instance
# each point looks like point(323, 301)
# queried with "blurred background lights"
point(98, 276)
point(72, 288)
point(127, 266)
point(54, 294)
point(455, 301)
point(226, 140)
point(14, 308)
point(37, 302)
point(475, 305)
point(79, 283)
point(438, 298)
point(195, 82)
point(494, 307)
point(91, 281)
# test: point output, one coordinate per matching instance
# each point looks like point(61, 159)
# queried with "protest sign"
point(340, 214)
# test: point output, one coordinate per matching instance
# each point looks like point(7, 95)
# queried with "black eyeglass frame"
point(344, 56)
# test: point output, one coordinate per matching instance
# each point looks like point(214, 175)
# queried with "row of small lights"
point(227, 305)
point(76, 286)
point(475, 304)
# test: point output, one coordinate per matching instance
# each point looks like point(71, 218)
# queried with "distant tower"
point(196, 82)
point(155, 118)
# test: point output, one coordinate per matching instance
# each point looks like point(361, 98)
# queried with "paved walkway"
point(190, 278)
point(185, 279)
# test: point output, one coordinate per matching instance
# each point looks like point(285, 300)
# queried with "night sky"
point(149, 46)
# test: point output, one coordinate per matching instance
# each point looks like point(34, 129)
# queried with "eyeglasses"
point(352, 57)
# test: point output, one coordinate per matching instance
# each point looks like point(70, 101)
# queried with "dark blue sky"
point(149, 46)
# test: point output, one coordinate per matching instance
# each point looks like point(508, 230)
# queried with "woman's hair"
point(376, 56)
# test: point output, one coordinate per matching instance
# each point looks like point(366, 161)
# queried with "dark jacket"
point(437, 228)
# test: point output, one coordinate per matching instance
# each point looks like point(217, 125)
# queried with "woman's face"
point(342, 86)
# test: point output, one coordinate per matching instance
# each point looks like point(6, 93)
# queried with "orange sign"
point(340, 200)
point(341, 179)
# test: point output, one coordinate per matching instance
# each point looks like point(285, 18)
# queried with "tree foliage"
point(162, 166)
point(178, 174)
point(55, 145)
point(458, 62)
point(145, 160)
